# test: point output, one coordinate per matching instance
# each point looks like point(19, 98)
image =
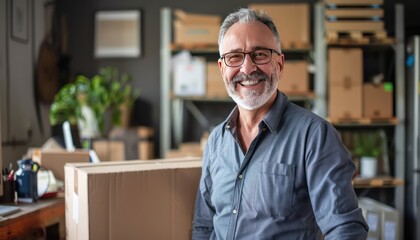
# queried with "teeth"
point(249, 82)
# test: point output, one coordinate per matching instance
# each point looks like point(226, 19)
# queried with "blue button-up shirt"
point(294, 182)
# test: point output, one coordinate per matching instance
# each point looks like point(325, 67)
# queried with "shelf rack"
point(321, 46)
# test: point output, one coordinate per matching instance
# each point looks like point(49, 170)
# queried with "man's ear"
point(220, 63)
point(281, 62)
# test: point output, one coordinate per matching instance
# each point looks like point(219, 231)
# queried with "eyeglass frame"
point(223, 56)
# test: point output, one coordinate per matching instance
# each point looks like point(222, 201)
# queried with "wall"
point(19, 124)
point(17, 60)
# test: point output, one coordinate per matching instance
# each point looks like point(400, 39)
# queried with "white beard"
point(253, 99)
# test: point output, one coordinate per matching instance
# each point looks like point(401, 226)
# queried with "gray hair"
point(244, 15)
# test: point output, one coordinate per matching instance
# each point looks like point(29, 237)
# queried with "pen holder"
point(8, 192)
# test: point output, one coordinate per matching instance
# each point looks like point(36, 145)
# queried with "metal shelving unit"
point(398, 46)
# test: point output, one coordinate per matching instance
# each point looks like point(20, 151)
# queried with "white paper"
point(390, 230)
point(75, 208)
point(190, 77)
point(372, 221)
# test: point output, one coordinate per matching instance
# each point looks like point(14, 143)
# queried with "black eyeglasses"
point(258, 56)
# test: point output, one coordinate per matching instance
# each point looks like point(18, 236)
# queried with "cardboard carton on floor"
point(131, 200)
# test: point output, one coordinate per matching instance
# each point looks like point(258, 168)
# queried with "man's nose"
point(248, 66)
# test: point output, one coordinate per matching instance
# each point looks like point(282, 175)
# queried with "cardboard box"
point(345, 102)
point(345, 83)
point(109, 150)
point(345, 65)
point(197, 18)
point(295, 78)
point(55, 160)
point(382, 219)
point(131, 200)
point(190, 77)
point(215, 85)
point(146, 150)
point(291, 20)
point(378, 100)
point(196, 33)
point(196, 28)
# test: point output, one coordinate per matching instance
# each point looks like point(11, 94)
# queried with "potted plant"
point(121, 95)
point(85, 101)
point(368, 148)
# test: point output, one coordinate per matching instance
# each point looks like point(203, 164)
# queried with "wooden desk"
point(32, 217)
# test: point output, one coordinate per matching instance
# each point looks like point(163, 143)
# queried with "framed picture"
point(118, 34)
point(20, 20)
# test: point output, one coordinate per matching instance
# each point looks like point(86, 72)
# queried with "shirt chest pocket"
point(273, 193)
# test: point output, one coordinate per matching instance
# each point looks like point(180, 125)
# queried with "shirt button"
point(240, 176)
point(234, 211)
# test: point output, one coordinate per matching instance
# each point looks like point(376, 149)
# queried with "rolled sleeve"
point(329, 173)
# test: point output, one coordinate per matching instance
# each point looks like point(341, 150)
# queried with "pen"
point(11, 175)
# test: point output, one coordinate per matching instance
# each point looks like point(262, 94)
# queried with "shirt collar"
point(272, 119)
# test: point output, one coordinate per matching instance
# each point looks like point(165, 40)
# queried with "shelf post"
point(165, 80)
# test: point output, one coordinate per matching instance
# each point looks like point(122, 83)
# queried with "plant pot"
point(368, 167)
point(125, 110)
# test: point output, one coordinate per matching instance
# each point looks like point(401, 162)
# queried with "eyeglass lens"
point(259, 56)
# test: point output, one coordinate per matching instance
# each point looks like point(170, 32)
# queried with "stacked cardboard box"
point(383, 220)
point(378, 100)
point(131, 200)
point(345, 83)
point(295, 78)
point(215, 84)
point(196, 28)
point(291, 20)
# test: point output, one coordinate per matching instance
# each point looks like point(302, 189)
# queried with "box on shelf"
point(190, 77)
point(345, 102)
point(55, 160)
point(197, 18)
point(215, 85)
point(378, 100)
point(196, 28)
point(131, 200)
point(291, 20)
point(382, 219)
point(295, 78)
point(345, 84)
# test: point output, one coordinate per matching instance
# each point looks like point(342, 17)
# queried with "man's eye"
point(260, 54)
point(234, 57)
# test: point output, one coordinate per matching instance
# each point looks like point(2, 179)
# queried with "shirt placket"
point(239, 183)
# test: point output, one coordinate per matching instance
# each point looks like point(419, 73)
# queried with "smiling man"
point(271, 170)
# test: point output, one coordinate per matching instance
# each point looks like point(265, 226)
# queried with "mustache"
point(243, 77)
